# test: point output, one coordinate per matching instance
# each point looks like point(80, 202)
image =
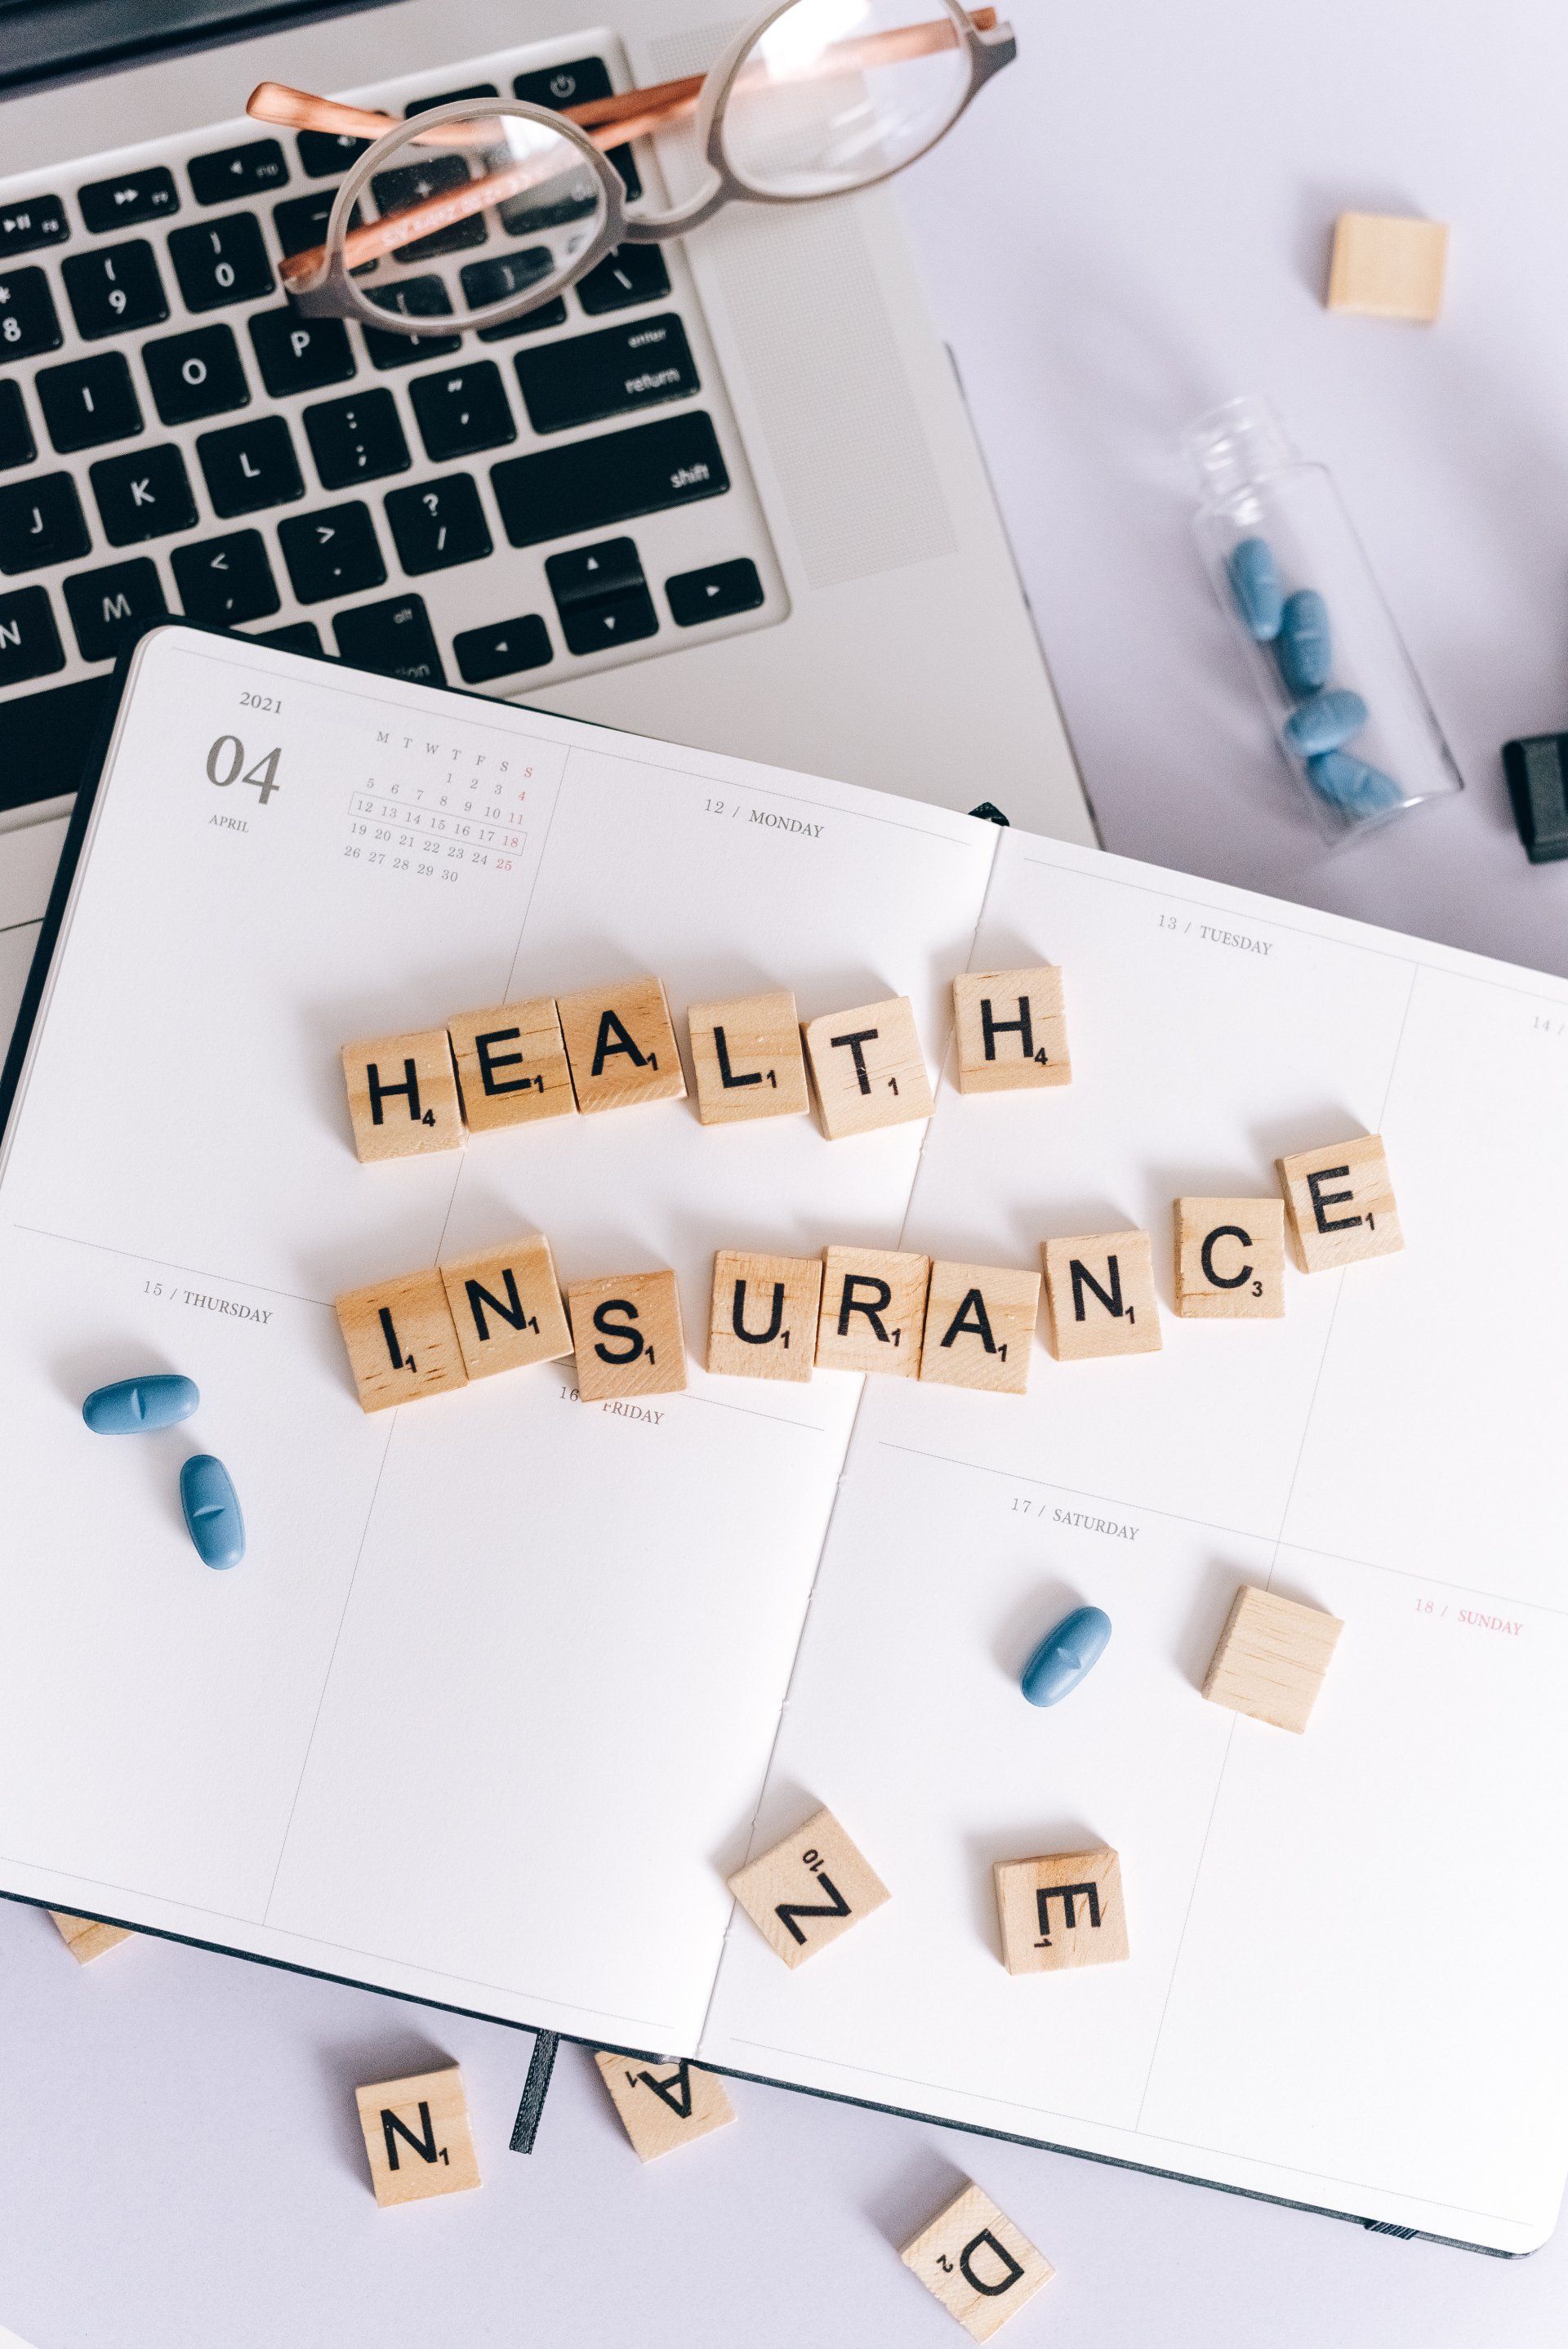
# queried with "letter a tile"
point(764, 1322)
point(629, 1340)
point(507, 1306)
point(417, 2137)
point(663, 2105)
point(620, 1045)
point(1010, 1030)
point(980, 1327)
point(868, 1068)
point(400, 1340)
point(1340, 1204)
point(1100, 1292)
point(1063, 1909)
point(809, 1889)
point(977, 2263)
point(403, 1095)
point(747, 1059)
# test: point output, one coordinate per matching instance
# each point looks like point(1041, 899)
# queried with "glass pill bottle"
point(1348, 709)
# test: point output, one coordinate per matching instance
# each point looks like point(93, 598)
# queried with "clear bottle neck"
point(1235, 448)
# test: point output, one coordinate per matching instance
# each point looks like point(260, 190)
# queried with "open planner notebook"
point(507, 1683)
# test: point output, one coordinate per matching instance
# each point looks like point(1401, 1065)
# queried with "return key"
point(631, 366)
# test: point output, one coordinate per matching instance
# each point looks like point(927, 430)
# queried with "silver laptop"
point(846, 603)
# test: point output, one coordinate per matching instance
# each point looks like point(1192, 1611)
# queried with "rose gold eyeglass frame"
point(320, 279)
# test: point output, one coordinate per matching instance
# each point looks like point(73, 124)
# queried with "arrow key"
point(715, 593)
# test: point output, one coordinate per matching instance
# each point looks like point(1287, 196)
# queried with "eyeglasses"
point(816, 99)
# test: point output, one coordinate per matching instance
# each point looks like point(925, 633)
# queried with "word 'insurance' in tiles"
point(663, 2105)
point(977, 2263)
point(1059, 1911)
point(809, 1889)
point(417, 2137)
point(1272, 1656)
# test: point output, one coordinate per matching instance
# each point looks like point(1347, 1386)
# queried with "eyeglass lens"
point(836, 93)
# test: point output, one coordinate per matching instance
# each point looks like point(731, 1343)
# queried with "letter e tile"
point(1060, 1910)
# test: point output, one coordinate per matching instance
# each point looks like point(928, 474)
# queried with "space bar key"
point(588, 484)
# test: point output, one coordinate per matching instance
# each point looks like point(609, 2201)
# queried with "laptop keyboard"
point(452, 509)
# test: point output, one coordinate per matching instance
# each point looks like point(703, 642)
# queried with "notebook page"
point(484, 1713)
point(1346, 1947)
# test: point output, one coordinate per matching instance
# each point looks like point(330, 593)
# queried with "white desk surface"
point(1136, 228)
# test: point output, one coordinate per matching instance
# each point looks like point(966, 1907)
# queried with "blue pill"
point(1065, 1655)
point(212, 1509)
point(1348, 783)
point(1254, 584)
point(1327, 722)
point(133, 1404)
point(1304, 646)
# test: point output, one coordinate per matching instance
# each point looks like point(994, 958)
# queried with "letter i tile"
point(980, 2266)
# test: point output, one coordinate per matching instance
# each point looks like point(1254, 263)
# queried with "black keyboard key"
point(128, 200)
point(418, 297)
point(28, 320)
point(410, 183)
point(301, 223)
point(252, 170)
point(557, 87)
point(29, 641)
point(639, 365)
point(114, 290)
point(106, 606)
point(146, 494)
point(17, 446)
point(356, 439)
point(394, 639)
point(325, 155)
point(531, 322)
point(629, 274)
point(196, 375)
point(450, 97)
point(299, 354)
point(602, 597)
point(438, 524)
point(298, 636)
point(504, 650)
point(618, 620)
point(714, 593)
point(223, 261)
point(589, 484)
point(45, 739)
point(248, 466)
point(487, 282)
point(41, 522)
point(89, 402)
point(462, 410)
point(27, 225)
point(224, 580)
point(333, 552)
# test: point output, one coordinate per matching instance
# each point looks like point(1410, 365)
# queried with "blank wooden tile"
point(980, 2266)
point(620, 1045)
point(1061, 1909)
point(403, 1095)
point(1010, 1030)
point(629, 1340)
point(1387, 266)
point(507, 1307)
point(980, 1327)
point(1229, 1259)
point(663, 2105)
point(873, 1311)
point(1340, 1204)
point(868, 1068)
point(1272, 1656)
point(401, 1340)
point(809, 1889)
point(764, 1322)
point(511, 1065)
point(747, 1059)
point(1100, 1292)
point(417, 2137)
point(86, 1938)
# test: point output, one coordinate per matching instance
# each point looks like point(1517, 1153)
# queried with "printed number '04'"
point(228, 752)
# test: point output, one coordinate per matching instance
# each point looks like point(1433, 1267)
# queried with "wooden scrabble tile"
point(1272, 1656)
point(401, 1340)
point(418, 2136)
point(1059, 1911)
point(1340, 1204)
point(1010, 1030)
point(403, 1095)
point(1387, 266)
point(873, 1311)
point(809, 1889)
point(980, 1327)
point(663, 2105)
point(764, 1308)
point(84, 1935)
point(628, 1335)
point(511, 1065)
point(1100, 1292)
point(1229, 1259)
point(507, 1307)
point(620, 1045)
point(976, 2264)
point(868, 1068)
point(747, 1059)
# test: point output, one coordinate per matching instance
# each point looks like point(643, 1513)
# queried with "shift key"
point(638, 364)
point(588, 484)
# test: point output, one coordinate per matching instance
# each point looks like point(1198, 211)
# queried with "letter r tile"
point(417, 2137)
point(809, 1889)
point(980, 2266)
point(1062, 1910)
